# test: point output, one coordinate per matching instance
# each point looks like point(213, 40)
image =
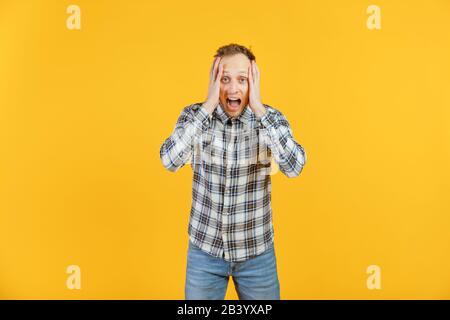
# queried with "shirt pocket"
point(211, 148)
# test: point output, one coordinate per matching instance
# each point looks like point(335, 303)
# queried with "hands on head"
point(254, 97)
point(215, 75)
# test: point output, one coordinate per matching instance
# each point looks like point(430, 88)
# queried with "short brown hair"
point(233, 48)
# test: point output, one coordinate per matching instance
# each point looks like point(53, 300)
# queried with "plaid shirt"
point(231, 159)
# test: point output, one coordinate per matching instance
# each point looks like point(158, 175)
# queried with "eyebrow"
point(244, 72)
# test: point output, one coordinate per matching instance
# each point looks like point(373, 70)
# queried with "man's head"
point(234, 88)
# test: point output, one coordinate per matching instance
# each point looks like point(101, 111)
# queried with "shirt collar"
point(244, 117)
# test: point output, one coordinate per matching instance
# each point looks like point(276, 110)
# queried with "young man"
point(230, 139)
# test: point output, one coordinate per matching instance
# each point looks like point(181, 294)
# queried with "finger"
point(214, 69)
point(211, 69)
point(250, 77)
point(212, 66)
point(257, 71)
point(255, 74)
point(218, 67)
point(220, 72)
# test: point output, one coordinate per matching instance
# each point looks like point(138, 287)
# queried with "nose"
point(233, 88)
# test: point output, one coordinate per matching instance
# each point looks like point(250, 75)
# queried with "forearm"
point(289, 155)
point(177, 148)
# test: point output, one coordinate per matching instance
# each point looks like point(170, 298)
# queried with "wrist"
point(209, 106)
point(260, 110)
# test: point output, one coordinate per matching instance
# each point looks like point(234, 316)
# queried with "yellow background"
point(84, 112)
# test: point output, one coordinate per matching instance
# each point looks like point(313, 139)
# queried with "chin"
point(233, 114)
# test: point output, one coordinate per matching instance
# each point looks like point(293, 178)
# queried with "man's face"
point(234, 84)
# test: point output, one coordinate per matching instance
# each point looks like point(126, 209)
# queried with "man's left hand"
point(254, 93)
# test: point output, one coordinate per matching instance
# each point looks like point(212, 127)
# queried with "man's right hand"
point(215, 76)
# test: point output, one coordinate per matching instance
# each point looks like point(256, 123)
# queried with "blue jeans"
point(207, 276)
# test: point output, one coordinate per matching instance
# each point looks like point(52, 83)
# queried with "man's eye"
point(224, 79)
point(243, 80)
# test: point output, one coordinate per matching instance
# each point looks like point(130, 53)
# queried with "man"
point(230, 139)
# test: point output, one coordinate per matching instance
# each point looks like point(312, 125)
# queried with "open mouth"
point(233, 103)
